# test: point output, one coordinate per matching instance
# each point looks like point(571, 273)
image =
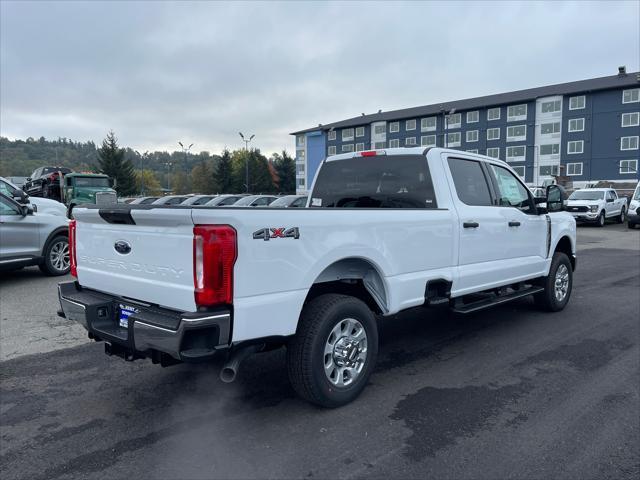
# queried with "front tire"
point(334, 351)
point(557, 285)
point(56, 257)
point(601, 220)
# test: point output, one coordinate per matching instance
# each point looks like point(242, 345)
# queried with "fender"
point(58, 231)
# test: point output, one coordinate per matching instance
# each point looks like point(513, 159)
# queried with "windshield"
point(202, 200)
point(586, 195)
point(148, 200)
point(283, 201)
point(398, 181)
point(91, 182)
point(246, 200)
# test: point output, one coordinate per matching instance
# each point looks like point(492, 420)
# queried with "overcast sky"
point(157, 73)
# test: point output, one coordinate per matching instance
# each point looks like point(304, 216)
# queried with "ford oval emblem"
point(122, 247)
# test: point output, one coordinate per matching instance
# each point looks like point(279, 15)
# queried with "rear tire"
point(56, 257)
point(601, 220)
point(334, 351)
point(622, 216)
point(557, 285)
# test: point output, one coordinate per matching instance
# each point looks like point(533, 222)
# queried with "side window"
point(7, 208)
point(511, 192)
point(6, 189)
point(470, 182)
point(261, 201)
point(301, 202)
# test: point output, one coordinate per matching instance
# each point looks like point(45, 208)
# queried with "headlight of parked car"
point(594, 208)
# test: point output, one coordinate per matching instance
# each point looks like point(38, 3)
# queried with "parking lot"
point(508, 392)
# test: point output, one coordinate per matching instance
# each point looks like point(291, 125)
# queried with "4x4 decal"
point(267, 234)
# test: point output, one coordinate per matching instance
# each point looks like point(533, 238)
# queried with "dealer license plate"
point(124, 312)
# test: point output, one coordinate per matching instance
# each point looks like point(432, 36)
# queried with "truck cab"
point(88, 188)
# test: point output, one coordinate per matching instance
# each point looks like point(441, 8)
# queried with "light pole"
point(168, 164)
point(185, 151)
point(246, 161)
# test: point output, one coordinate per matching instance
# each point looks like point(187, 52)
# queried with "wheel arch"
point(58, 231)
point(565, 246)
point(355, 276)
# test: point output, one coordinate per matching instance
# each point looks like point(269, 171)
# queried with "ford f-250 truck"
point(383, 231)
point(596, 205)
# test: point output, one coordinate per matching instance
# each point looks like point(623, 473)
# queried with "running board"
point(490, 302)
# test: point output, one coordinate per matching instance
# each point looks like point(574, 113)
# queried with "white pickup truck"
point(596, 205)
point(383, 231)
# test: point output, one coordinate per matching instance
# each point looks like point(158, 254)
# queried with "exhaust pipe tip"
point(228, 374)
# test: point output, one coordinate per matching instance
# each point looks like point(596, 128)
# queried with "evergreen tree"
point(222, 173)
point(112, 162)
point(285, 168)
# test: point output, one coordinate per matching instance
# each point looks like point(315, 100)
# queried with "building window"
point(516, 154)
point(360, 132)
point(574, 169)
point(300, 154)
point(300, 169)
point(552, 106)
point(631, 96)
point(631, 119)
point(410, 142)
point(453, 120)
point(380, 129)
point(300, 140)
point(548, 170)
point(550, 149)
point(428, 124)
point(516, 133)
point(394, 127)
point(394, 143)
point(550, 128)
point(493, 133)
point(301, 183)
point(379, 145)
point(428, 140)
point(475, 150)
point(453, 139)
point(519, 170)
point(576, 125)
point(576, 146)
point(359, 147)
point(629, 143)
point(347, 147)
point(473, 117)
point(331, 135)
point(493, 152)
point(517, 112)
point(347, 134)
point(410, 125)
point(472, 136)
point(576, 103)
point(493, 113)
point(331, 150)
point(628, 166)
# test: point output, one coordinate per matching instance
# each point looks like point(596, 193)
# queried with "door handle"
point(470, 224)
point(514, 224)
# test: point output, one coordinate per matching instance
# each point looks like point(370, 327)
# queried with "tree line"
point(152, 173)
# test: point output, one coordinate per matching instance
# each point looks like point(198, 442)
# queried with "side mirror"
point(556, 197)
point(28, 179)
point(20, 196)
point(26, 210)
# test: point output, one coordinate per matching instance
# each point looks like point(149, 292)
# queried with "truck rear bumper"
point(149, 331)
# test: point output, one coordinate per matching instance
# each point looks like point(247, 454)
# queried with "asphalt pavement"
point(510, 392)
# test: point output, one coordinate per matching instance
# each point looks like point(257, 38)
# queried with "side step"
point(495, 300)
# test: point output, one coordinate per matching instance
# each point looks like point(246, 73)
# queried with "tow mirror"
point(556, 197)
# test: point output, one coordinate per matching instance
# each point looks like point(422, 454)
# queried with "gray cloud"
point(198, 72)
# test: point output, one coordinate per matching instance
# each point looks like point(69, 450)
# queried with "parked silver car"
point(290, 201)
point(32, 238)
point(255, 201)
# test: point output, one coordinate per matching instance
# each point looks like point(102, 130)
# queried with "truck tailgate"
point(157, 269)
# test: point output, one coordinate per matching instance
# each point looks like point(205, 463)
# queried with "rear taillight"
point(214, 254)
point(72, 248)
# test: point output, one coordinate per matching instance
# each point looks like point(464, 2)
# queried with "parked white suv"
point(385, 231)
point(596, 205)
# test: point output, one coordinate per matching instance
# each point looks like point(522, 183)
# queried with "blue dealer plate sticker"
point(124, 312)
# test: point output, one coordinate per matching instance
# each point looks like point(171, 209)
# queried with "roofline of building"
point(580, 86)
